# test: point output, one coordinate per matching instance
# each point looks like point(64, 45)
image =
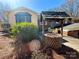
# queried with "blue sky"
point(36, 5)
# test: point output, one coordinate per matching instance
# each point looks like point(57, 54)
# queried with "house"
point(71, 36)
point(21, 14)
point(71, 30)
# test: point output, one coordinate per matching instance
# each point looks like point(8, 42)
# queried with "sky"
point(36, 5)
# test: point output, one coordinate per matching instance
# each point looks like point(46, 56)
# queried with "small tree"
point(25, 31)
point(71, 7)
point(4, 10)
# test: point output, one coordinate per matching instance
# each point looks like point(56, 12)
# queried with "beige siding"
point(12, 20)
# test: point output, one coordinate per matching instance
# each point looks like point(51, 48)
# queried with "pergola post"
point(43, 23)
point(42, 26)
point(62, 27)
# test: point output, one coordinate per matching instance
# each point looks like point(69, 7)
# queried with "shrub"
point(25, 31)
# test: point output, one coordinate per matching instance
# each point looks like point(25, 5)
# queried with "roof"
point(24, 8)
point(71, 27)
point(55, 14)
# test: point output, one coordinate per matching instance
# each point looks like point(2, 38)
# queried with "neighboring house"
point(71, 30)
point(22, 15)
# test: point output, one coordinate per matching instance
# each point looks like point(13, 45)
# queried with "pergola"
point(53, 16)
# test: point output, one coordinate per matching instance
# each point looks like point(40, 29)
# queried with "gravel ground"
point(5, 46)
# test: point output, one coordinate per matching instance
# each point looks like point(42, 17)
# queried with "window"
point(23, 17)
point(5, 26)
